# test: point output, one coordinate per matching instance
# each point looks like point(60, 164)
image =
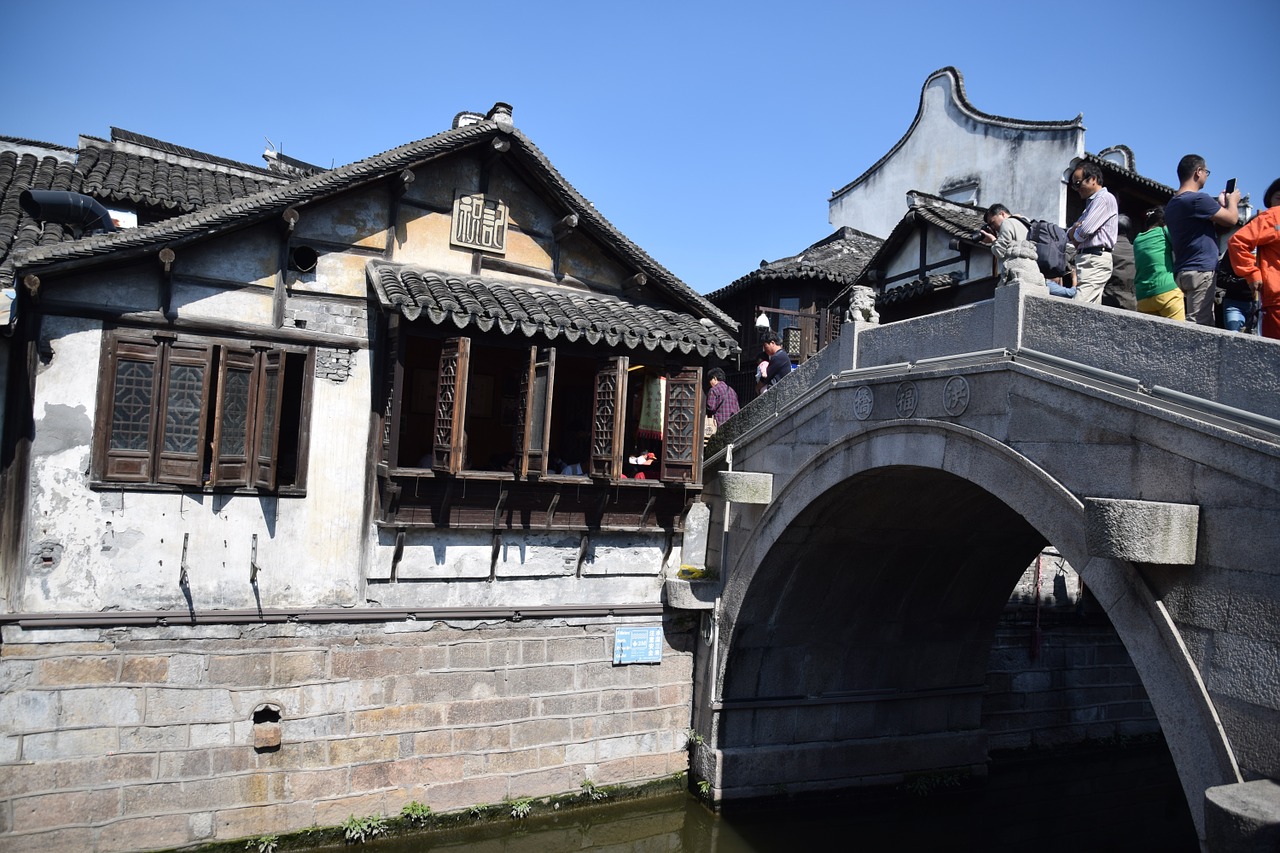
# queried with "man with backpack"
point(1094, 233)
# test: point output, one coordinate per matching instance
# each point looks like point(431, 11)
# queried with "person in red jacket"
point(1261, 236)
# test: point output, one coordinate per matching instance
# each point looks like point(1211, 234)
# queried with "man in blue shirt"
point(1191, 216)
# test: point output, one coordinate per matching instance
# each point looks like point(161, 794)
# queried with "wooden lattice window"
point(197, 412)
point(608, 418)
point(450, 430)
point(682, 434)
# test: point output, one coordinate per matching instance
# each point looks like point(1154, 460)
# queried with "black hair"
point(715, 373)
point(1187, 166)
point(994, 209)
point(1089, 170)
point(1271, 190)
point(1155, 218)
point(770, 338)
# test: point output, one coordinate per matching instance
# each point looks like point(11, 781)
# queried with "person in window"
point(777, 366)
point(722, 401)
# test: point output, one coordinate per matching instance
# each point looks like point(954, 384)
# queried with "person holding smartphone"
point(1192, 217)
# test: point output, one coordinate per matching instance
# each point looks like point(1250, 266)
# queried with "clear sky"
point(710, 133)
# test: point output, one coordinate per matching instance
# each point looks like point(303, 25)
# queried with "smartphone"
point(1231, 186)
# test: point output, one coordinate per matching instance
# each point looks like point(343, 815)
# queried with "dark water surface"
point(1090, 799)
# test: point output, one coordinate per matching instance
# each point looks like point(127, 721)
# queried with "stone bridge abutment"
point(858, 605)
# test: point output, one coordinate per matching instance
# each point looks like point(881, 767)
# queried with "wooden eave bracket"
point(564, 227)
point(635, 282)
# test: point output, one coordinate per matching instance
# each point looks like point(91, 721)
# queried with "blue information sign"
point(637, 645)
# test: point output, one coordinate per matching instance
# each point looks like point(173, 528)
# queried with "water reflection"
point(1091, 799)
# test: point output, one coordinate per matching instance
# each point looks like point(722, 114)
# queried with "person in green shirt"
point(1153, 283)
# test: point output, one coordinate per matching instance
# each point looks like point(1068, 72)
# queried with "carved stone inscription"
point(863, 400)
point(479, 222)
point(906, 399)
point(955, 395)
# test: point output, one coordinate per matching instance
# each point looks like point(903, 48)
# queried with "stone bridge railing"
point(1209, 373)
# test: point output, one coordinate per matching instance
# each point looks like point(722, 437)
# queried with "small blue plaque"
point(637, 645)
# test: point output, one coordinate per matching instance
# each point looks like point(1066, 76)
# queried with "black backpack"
point(1051, 246)
point(1235, 287)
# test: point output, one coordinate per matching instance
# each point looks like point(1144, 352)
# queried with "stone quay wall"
point(121, 739)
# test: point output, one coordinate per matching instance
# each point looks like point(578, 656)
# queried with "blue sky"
point(712, 134)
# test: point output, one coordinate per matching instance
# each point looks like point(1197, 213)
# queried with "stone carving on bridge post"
point(862, 306)
point(864, 399)
point(906, 399)
point(955, 395)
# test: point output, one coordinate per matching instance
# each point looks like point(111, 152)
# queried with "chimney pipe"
point(67, 209)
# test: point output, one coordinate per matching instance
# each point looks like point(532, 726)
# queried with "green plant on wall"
point(263, 843)
point(520, 808)
point(592, 790)
point(358, 830)
point(416, 813)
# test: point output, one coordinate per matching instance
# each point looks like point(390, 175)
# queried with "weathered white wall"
point(121, 549)
point(950, 143)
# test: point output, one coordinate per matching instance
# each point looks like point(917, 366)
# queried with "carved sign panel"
point(479, 222)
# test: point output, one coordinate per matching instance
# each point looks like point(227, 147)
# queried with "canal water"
point(1088, 799)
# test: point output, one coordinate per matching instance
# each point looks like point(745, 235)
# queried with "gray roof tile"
point(474, 302)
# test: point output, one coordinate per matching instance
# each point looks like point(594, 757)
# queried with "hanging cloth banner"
point(652, 400)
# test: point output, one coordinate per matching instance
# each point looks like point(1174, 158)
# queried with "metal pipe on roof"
point(67, 209)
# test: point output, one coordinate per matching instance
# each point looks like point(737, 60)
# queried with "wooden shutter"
point(536, 395)
point(682, 429)
point(609, 418)
point(266, 439)
point(392, 363)
point(129, 402)
point(233, 419)
point(451, 403)
point(184, 408)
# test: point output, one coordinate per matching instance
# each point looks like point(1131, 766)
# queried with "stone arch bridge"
point(879, 505)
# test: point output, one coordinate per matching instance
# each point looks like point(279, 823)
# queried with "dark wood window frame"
point(447, 494)
point(198, 413)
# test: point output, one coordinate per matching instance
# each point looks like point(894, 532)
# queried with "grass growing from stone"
point(421, 819)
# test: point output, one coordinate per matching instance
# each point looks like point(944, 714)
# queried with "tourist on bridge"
point(776, 365)
point(722, 401)
point(1153, 283)
point(1094, 233)
point(1119, 290)
point(1192, 216)
point(1261, 236)
point(1006, 234)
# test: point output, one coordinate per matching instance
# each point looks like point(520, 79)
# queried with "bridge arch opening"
point(859, 608)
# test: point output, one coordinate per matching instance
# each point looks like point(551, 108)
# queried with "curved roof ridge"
point(962, 101)
point(228, 215)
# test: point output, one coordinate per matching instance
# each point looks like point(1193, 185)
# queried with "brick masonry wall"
point(125, 739)
point(1081, 685)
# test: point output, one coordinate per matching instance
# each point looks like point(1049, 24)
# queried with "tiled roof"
point(1109, 169)
point(915, 289)
point(272, 202)
point(116, 178)
point(958, 220)
point(124, 178)
point(838, 258)
point(963, 104)
point(468, 301)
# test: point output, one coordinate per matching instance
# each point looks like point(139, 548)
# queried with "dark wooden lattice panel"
point(608, 418)
point(233, 430)
point(451, 403)
point(186, 402)
point(682, 432)
point(132, 395)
